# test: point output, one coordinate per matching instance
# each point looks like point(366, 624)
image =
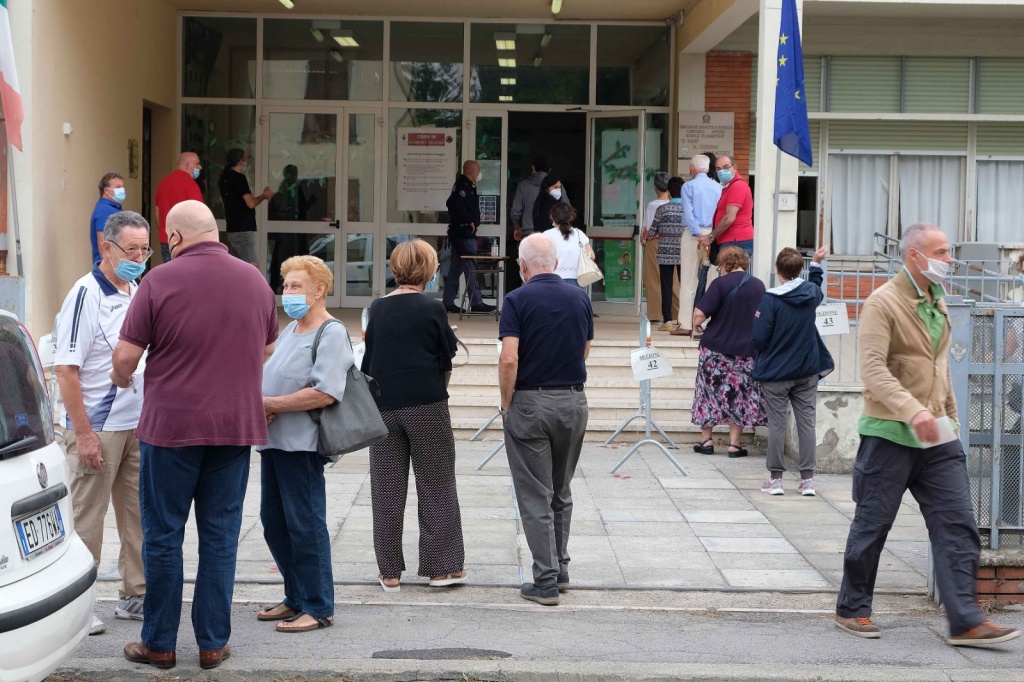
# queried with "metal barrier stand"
point(645, 413)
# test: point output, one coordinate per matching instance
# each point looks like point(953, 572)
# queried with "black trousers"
point(937, 478)
point(666, 272)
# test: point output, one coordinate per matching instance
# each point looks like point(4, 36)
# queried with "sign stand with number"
point(645, 410)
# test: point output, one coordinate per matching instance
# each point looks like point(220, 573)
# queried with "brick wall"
point(1003, 584)
point(727, 88)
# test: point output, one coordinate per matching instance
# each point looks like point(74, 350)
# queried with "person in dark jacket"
point(463, 219)
point(549, 196)
point(791, 358)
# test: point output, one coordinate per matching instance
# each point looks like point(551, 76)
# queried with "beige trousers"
point(91, 492)
point(652, 283)
point(690, 258)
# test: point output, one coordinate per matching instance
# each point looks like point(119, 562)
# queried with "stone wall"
point(838, 411)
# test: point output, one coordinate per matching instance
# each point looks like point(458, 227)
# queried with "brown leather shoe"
point(212, 659)
point(136, 652)
point(681, 332)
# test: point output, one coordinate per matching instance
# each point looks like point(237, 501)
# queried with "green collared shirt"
point(935, 322)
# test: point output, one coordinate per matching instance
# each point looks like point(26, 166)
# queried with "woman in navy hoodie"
point(791, 358)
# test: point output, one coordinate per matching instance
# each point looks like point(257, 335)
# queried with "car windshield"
point(25, 421)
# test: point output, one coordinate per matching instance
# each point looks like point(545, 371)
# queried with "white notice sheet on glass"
point(832, 319)
point(427, 166)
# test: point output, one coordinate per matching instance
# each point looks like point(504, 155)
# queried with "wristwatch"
point(503, 413)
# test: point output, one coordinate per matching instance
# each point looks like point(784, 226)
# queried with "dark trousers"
point(544, 437)
point(667, 272)
point(293, 510)
point(170, 480)
point(702, 284)
point(423, 436)
point(937, 478)
point(463, 254)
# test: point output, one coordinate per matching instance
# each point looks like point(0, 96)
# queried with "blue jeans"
point(571, 281)
point(463, 254)
point(702, 275)
point(169, 480)
point(293, 510)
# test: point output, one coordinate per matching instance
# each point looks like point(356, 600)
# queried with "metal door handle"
point(336, 224)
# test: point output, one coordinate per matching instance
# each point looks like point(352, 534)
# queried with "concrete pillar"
point(690, 95)
point(765, 167)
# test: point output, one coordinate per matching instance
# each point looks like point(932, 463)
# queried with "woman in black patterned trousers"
point(409, 350)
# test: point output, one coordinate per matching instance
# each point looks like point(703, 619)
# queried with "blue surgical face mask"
point(195, 173)
point(120, 195)
point(129, 270)
point(725, 176)
point(295, 305)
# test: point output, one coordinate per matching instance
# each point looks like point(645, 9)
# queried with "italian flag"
point(10, 95)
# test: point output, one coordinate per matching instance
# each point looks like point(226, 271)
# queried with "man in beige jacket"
point(908, 442)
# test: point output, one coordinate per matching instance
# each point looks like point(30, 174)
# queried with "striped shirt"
point(88, 327)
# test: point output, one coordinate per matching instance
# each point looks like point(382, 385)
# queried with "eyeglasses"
point(726, 167)
point(145, 251)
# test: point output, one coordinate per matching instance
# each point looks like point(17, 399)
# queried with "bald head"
point(192, 222)
point(537, 255)
point(188, 161)
point(471, 169)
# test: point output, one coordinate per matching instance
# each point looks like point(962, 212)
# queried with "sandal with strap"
point(279, 612)
point(317, 623)
point(706, 447)
point(738, 452)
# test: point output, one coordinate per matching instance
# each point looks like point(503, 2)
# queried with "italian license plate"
point(40, 532)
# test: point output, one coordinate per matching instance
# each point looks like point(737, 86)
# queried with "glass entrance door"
point(616, 169)
point(322, 165)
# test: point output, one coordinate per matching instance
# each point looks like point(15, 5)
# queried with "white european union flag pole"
point(792, 130)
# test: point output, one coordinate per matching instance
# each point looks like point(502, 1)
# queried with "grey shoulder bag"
point(352, 423)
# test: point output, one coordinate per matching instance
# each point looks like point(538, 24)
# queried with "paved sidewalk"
point(645, 527)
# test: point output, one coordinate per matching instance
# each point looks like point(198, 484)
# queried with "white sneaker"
point(129, 608)
point(773, 486)
point(98, 627)
point(806, 487)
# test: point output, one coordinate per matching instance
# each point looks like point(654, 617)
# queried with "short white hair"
point(538, 252)
point(701, 163)
point(914, 236)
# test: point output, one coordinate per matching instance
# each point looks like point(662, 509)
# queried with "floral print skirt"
point(726, 392)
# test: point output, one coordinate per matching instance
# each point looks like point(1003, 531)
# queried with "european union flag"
point(792, 131)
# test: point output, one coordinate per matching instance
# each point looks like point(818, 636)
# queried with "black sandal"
point(703, 448)
point(738, 452)
point(320, 623)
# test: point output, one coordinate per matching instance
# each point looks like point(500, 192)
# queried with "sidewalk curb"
point(372, 670)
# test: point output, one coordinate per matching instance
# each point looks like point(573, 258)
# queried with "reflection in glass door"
point(362, 243)
point(615, 157)
point(301, 166)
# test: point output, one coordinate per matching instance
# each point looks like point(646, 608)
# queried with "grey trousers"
point(937, 478)
point(802, 394)
point(544, 436)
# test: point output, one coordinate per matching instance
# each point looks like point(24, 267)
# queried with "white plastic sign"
point(648, 363)
point(832, 319)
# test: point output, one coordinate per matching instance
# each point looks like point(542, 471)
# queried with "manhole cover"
point(442, 654)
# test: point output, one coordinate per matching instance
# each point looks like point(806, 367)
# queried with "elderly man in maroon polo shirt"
point(734, 217)
point(208, 321)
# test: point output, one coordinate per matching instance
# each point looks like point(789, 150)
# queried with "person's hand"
point(643, 236)
point(517, 234)
point(268, 193)
point(704, 243)
point(89, 452)
point(119, 381)
point(271, 416)
point(820, 255)
point(269, 406)
point(925, 427)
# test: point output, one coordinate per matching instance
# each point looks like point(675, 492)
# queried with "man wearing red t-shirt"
point(180, 185)
point(734, 217)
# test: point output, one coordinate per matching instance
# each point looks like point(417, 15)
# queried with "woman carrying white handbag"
point(575, 256)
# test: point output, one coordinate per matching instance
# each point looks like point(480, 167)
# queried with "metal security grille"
point(987, 368)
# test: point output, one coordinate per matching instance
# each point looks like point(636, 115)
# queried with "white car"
point(47, 575)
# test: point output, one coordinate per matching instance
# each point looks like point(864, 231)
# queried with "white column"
point(690, 96)
point(764, 190)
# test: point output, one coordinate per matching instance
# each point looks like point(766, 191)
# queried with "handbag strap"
point(735, 290)
point(320, 333)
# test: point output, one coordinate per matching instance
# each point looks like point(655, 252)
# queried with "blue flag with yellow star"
point(792, 131)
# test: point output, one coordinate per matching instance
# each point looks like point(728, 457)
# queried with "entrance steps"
point(612, 393)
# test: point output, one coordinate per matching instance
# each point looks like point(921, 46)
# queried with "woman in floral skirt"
point(726, 392)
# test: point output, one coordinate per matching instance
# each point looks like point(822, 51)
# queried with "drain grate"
point(442, 654)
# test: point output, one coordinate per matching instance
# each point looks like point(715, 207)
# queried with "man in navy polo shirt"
point(112, 196)
point(545, 331)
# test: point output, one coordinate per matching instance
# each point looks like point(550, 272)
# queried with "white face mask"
point(556, 193)
point(937, 270)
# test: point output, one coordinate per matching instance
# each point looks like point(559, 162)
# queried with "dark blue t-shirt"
point(731, 329)
point(104, 209)
point(553, 321)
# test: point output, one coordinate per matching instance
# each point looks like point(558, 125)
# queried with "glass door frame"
point(613, 307)
point(373, 227)
point(498, 230)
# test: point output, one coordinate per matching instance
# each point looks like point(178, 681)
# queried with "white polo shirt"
point(88, 327)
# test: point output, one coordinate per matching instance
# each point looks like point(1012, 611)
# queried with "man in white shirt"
point(700, 200)
point(98, 419)
point(649, 240)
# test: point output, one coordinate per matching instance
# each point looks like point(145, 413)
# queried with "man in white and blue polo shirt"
point(98, 420)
